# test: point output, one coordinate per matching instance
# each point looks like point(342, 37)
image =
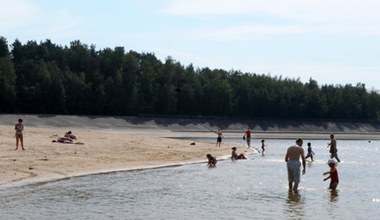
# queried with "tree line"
point(46, 78)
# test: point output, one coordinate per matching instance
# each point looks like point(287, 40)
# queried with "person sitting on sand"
point(64, 140)
point(68, 138)
point(211, 160)
point(235, 156)
point(70, 135)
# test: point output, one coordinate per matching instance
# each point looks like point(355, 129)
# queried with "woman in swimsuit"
point(19, 127)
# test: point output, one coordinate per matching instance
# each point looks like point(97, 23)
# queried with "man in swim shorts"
point(333, 150)
point(219, 138)
point(292, 158)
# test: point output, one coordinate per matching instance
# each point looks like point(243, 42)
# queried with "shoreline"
point(120, 144)
point(102, 152)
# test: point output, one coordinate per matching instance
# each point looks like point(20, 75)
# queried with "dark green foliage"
point(7, 79)
point(51, 79)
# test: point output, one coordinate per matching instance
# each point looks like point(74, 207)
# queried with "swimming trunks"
point(294, 170)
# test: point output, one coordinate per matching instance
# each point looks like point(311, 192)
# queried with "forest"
point(46, 78)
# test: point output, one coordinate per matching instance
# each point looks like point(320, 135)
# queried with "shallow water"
point(251, 189)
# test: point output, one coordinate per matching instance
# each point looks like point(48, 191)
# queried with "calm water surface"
point(251, 189)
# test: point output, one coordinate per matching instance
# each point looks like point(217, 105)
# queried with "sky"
point(334, 42)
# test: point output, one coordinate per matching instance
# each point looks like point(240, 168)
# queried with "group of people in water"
point(246, 137)
point(293, 156)
point(296, 152)
point(234, 156)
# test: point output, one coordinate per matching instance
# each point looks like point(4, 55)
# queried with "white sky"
point(331, 41)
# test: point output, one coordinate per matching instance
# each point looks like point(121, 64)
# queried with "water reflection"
point(293, 197)
point(309, 163)
point(253, 189)
point(294, 205)
point(333, 195)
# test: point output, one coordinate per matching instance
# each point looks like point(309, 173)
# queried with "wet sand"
point(104, 150)
point(115, 144)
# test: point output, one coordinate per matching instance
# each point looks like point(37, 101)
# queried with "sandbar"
point(120, 144)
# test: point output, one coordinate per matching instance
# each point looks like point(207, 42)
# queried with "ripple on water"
point(252, 189)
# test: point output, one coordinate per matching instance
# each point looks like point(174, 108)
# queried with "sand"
point(104, 150)
point(118, 144)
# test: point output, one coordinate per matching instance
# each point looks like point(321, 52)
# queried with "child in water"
point(334, 179)
point(310, 152)
point(211, 160)
point(235, 156)
point(263, 146)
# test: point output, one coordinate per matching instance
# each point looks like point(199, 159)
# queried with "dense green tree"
point(78, 79)
point(131, 82)
point(33, 83)
point(149, 67)
point(77, 93)
point(4, 51)
point(56, 98)
point(7, 79)
point(166, 88)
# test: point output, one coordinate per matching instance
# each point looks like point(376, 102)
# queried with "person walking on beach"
point(333, 150)
point(334, 179)
point(211, 160)
point(293, 154)
point(219, 138)
point(19, 127)
point(310, 152)
point(247, 137)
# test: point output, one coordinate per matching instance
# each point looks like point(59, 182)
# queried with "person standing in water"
point(333, 150)
point(263, 146)
point(219, 138)
point(310, 152)
point(334, 179)
point(19, 128)
point(247, 137)
point(292, 159)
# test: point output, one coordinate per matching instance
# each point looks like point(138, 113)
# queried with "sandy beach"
point(104, 150)
point(116, 144)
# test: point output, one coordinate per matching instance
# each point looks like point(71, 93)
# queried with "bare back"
point(333, 143)
point(294, 153)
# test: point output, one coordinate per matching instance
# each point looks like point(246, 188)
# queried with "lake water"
point(251, 189)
